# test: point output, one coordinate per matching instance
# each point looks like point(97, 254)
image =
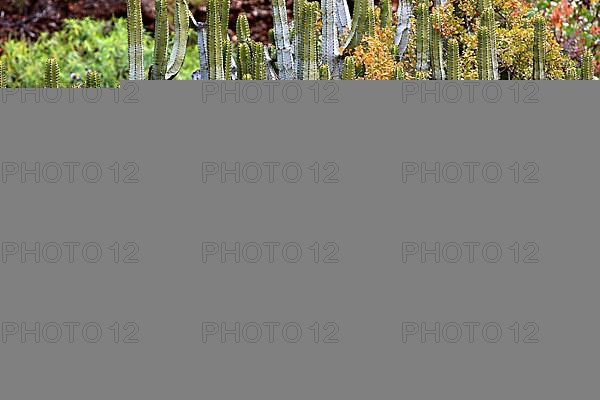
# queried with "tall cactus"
point(403, 28)
point(437, 47)
point(587, 66)
point(282, 38)
point(244, 61)
point(488, 19)
point(135, 28)
point(182, 27)
point(454, 66)
point(360, 23)
point(52, 74)
point(227, 50)
point(422, 35)
point(203, 51)
point(158, 69)
point(330, 42)
point(224, 17)
point(484, 54)
point(484, 4)
point(310, 69)
point(3, 74)
point(259, 66)
point(386, 14)
point(299, 15)
point(349, 69)
point(539, 48)
point(215, 41)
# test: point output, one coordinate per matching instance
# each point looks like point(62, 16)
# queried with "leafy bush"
point(81, 45)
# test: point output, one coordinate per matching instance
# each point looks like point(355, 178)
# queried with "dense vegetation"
point(452, 39)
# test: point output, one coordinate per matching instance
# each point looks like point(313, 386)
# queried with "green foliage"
point(80, 46)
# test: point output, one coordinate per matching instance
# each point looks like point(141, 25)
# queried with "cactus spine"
point(484, 54)
point(349, 69)
point(3, 74)
point(488, 19)
point(539, 48)
point(422, 39)
point(454, 72)
point(437, 47)
point(52, 74)
point(330, 42)
point(134, 38)
point(282, 39)
point(587, 72)
point(403, 28)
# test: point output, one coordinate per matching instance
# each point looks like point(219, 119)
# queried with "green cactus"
point(52, 74)
point(454, 66)
point(324, 73)
point(587, 66)
point(227, 50)
point(244, 60)
point(310, 69)
point(135, 28)
point(158, 69)
point(92, 80)
point(3, 74)
point(484, 5)
point(242, 28)
point(259, 66)
point(297, 34)
point(285, 61)
point(386, 14)
point(399, 74)
point(361, 23)
point(224, 17)
point(437, 48)
point(369, 29)
point(349, 69)
point(571, 71)
point(422, 36)
point(247, 77)
point(488, 19)
point(271, 36)
point(215, 41)
point(484, 54)
point(182, 27)
point(421, 75)
point(539, 48)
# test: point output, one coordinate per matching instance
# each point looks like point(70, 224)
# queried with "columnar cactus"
point(484, 54)
point(484, 4)
point(135, 28)
point(437, 48)
point(454, 66)
point(227, 51)
point(342, 17)
point(244, 61)
point(587, 66)
point(349, 69)
point(298, 37)
point(92, 80)
point(369, 29)
point(52, 74)
point(242, 28)
point(203, 50)
point(361, 23)
point(182, 27)
point(330, 43)
point(215, 41)
point(488, 19)
point(224, 17)
point(539, 48)
point(403, 28)
point(282, 39)
point(310, 69)
point(386, 14)
point(259, 66)
point(3, 74)
point(422, 39)
point(158, 69)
